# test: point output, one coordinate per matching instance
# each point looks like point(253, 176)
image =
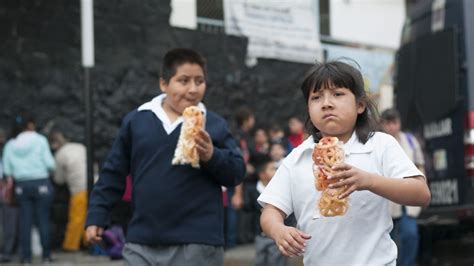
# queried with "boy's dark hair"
point(337, 74)
point(242, 114)
point(390, 115)
point(260, 161)
point(20, 123)
point(177, 57)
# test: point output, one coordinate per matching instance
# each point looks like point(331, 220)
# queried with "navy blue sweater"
point(172, 204)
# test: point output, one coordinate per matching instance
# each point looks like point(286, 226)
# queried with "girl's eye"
point(315, 97)
point(338, 93)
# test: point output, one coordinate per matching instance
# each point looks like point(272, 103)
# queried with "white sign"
point(375, 22)
point(183, 14)
point(287, 30)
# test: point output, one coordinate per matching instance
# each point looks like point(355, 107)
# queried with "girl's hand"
point(352, 177)
point(204, 145)
point(290, 241)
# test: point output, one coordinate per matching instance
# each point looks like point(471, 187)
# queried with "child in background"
point(267, 253)
point(376, 170)
point(277, 135)
point(296, 128)
point(277, 153)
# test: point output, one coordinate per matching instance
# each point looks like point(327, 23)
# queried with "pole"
point(87, 45)
point(89, 129)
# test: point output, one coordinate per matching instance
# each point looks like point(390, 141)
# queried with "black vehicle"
point(434, 90)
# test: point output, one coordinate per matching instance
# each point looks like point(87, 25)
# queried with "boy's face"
point(268, 172)
point(185, 88)
point(334, 111)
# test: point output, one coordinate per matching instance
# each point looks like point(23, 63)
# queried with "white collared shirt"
point(155, 105)
point(361, 236)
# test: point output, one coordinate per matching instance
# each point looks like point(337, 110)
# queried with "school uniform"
point(177, 209)
point(362, 235)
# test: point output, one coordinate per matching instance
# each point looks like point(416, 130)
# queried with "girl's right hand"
point(290, 241)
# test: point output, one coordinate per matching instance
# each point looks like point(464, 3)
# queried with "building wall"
point(40, 69)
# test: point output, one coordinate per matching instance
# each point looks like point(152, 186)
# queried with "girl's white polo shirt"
point(361, 236)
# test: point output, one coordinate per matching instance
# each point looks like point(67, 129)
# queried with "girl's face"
point(185, 88)
point(334, 111)
point(260, 136)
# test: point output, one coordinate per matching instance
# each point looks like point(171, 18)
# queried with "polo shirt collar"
point(155, 105)
point(352, 146)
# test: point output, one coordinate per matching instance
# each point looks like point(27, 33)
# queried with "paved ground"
point(242, 255)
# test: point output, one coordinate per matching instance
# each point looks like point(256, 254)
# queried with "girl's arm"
point(290, 241)
point(411, 191)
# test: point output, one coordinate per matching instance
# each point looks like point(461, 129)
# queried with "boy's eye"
point(199, 82)
point(183, 81)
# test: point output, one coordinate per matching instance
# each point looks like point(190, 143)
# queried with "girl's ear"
point(163, 85)
point(361, 107)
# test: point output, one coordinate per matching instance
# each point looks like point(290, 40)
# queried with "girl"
point(376, 171)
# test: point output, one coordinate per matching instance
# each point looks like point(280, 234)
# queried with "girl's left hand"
point(352, 177)
point(204, 145)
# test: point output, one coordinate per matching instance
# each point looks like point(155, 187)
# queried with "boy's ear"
point(163, 85)
point(361, 107)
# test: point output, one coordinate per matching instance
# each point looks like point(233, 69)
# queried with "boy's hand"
point(352, 177)
point(290, 241)
point(94, 234)
point(204, 145)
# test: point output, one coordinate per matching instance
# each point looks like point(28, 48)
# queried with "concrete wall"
point(40, 69)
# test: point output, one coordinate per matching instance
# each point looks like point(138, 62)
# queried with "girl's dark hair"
point(337, 74)
point(177, 57)
point(20, 123)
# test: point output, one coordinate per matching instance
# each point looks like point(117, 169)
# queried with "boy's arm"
point(109, 188)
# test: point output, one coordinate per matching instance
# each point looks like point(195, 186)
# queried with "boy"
point(177, 209)
point(267, 252)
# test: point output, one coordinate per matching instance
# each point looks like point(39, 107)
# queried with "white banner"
point(286, 30)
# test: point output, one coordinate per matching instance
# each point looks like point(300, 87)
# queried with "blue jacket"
point(172, 204)
point(28, 157)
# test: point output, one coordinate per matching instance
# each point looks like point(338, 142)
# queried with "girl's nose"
point(327, 102)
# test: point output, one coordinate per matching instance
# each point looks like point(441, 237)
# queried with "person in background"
point(178, 214)
point(276, 134)
point(71, 166)
point(267, 253)
point(405, 228)
point(235, 218)
point(277, 153)
point(261, 143)
point(8, 210)
point(296, 131)
point(28, 160)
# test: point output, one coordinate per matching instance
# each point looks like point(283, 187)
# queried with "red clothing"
point(296, 139)
point(127, 195)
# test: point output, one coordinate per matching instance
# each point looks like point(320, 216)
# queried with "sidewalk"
point(242, 255)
